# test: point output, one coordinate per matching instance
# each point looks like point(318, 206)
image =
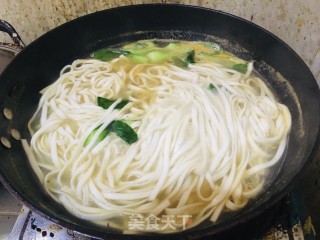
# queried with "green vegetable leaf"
point(211, 86)
point(157, 56)
point(124, 131)
point(140, 47)
point(136, 58)
point(173, 45)
point(178, 62)
point(109, 54)
point(121, 104)
point(120, 128)
point(101, 136)
point(184, 60)
point(106, 103)
point(190, 57)
point(240, 67)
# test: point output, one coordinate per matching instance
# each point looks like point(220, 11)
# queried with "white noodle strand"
point(199, 151)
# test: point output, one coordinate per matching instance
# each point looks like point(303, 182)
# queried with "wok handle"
point(7, 28)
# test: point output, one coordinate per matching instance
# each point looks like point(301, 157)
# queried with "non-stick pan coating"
point(39, 64)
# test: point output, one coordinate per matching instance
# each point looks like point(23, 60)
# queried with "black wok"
point(39, 64)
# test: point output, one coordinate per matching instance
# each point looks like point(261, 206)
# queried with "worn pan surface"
point(39, 64)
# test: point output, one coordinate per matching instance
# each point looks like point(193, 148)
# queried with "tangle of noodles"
point(200, 152)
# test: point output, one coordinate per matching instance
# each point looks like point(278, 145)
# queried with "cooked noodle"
point(199, 152)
